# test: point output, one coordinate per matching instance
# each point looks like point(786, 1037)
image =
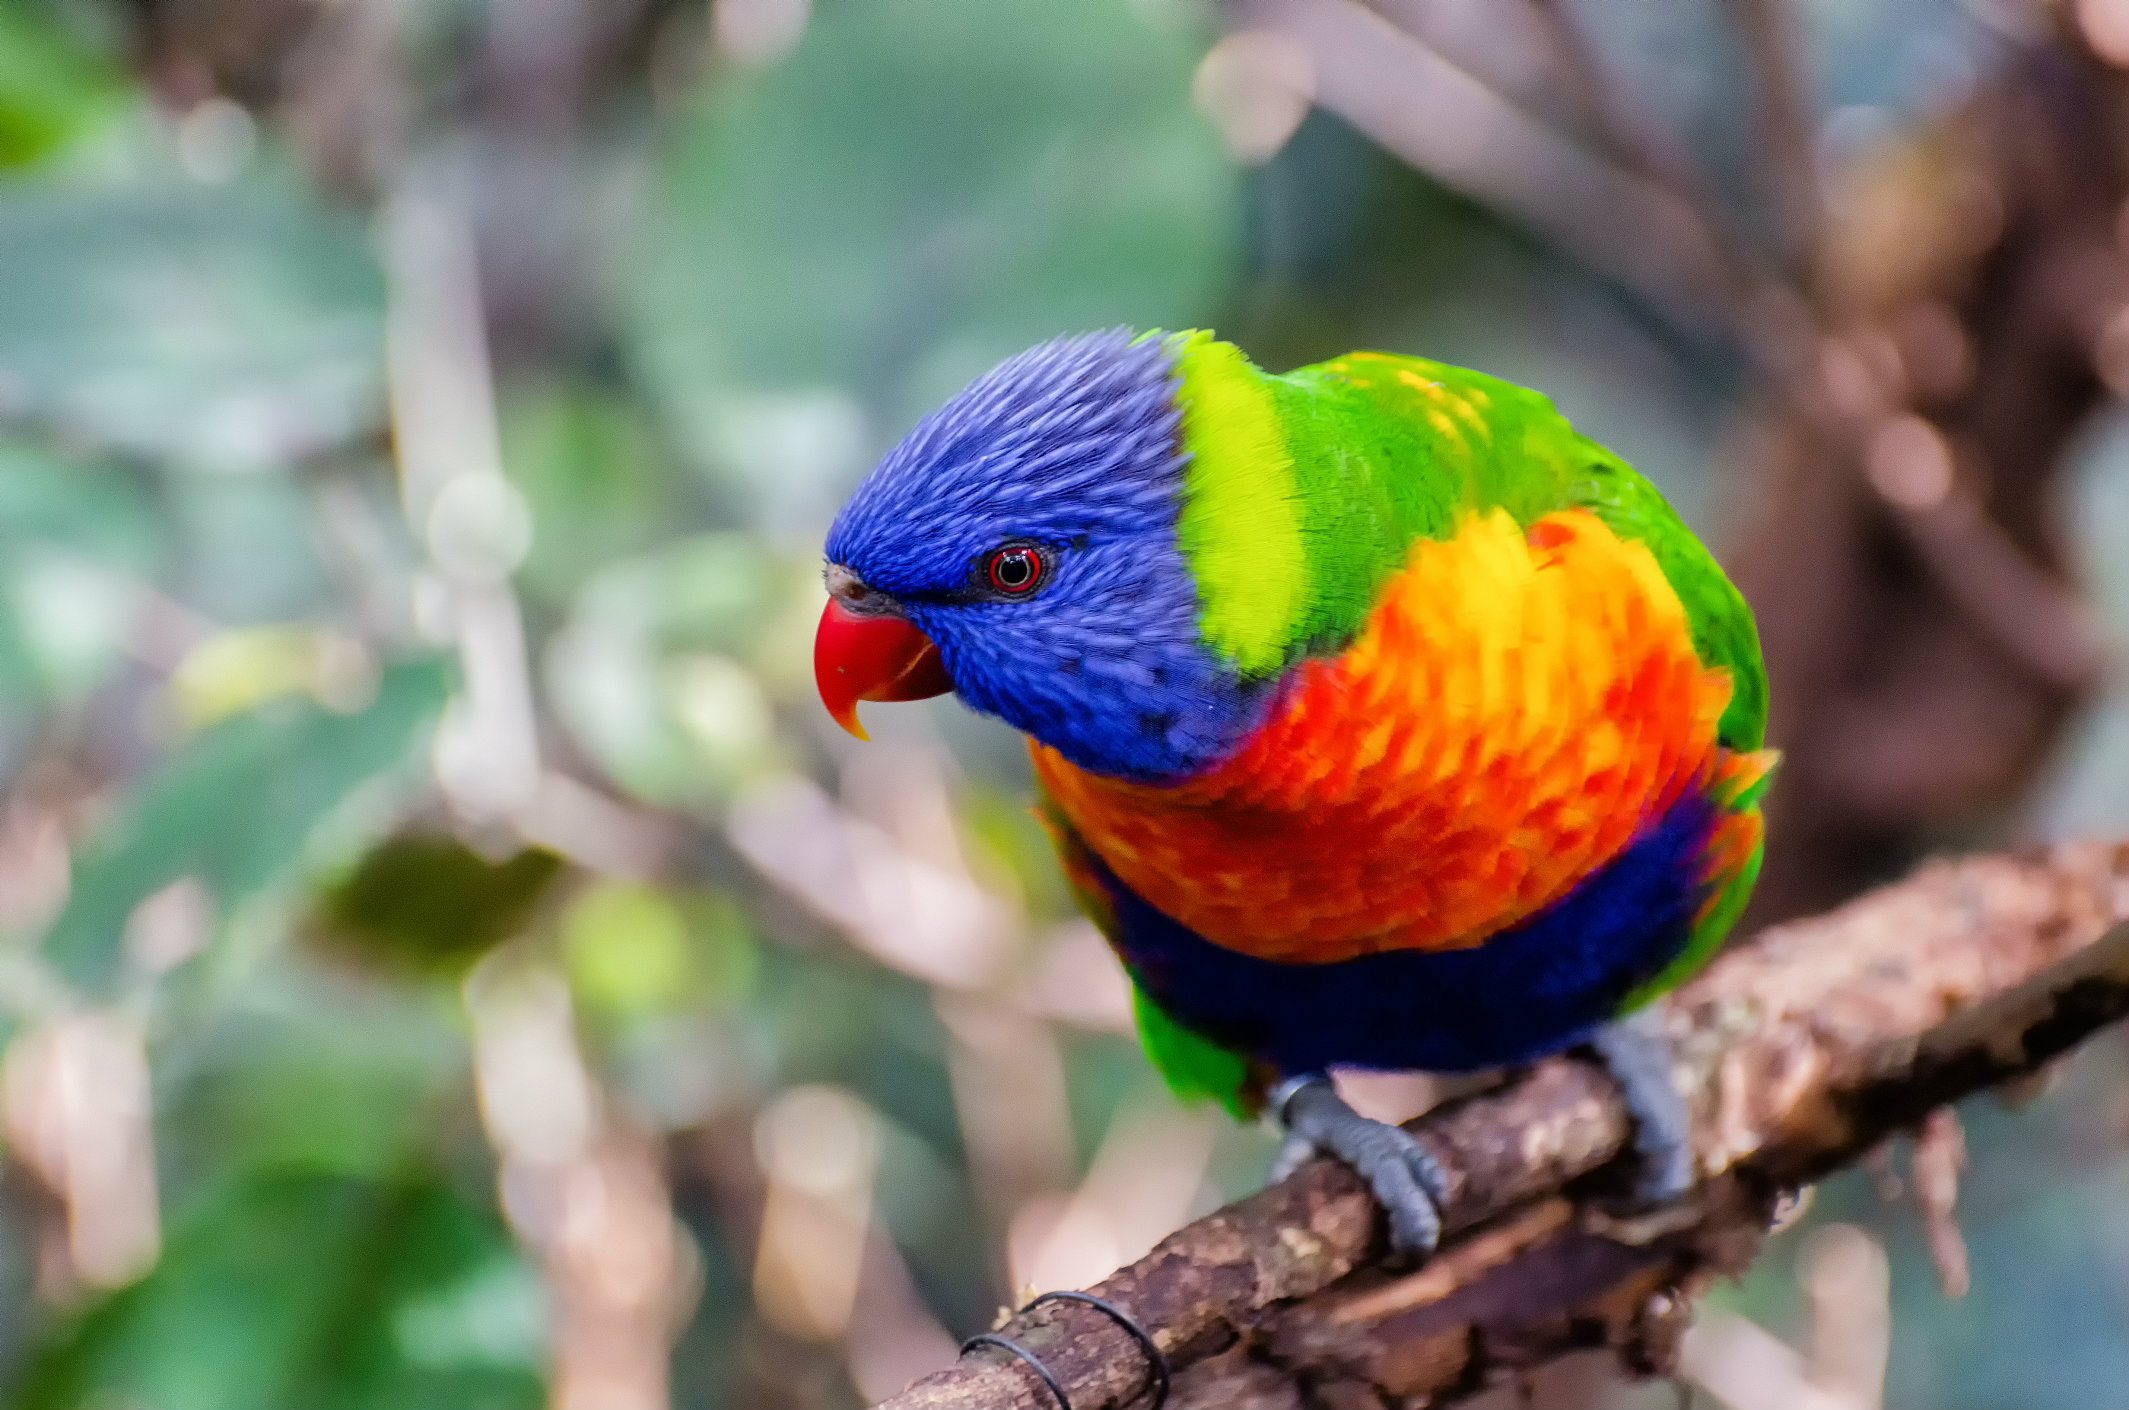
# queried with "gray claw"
point(1405, 1179)
point(1638, 1055)
point(1294, 1152)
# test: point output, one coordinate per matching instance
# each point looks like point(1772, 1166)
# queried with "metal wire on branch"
point(1801, 1053)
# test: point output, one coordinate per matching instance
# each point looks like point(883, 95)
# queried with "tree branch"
point(1441, 119)
point(1784, 110)
point(1800, 1052)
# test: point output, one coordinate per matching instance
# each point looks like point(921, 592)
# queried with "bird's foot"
point(1637, 1053)
point(1405, 1179)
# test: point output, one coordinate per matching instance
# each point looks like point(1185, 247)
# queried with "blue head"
point(1028, 528)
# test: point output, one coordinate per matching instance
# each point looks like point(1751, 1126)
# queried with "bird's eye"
point(1015, 570)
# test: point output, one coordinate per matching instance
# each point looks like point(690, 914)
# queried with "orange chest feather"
point(1516, 707)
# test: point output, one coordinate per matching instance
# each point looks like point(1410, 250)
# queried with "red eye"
point(1015, 570)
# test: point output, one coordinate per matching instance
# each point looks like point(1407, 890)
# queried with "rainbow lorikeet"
point(1383, 719)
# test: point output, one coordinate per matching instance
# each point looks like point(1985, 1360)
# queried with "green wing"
point(1724, 633)
point(1369, 451)
point(1531, 461)
point(1195, 1068)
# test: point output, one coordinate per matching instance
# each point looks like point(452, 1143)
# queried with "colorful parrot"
point(1383, 720)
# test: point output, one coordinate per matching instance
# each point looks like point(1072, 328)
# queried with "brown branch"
point(1626, 136)
point(1441, 119)
point(1784, 112)
point(1800, 1052)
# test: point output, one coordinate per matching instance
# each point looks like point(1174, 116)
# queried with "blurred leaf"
point(53, 91)
point(236, 327)
point(313, 1291)
point(70, 535)
point(1012, 851)
point(634, 951)
point(661, 671)
point(432, 904)
point(63, 622)
point(926, 187)
point(84, 508)
point(241, 669)
point(728, 958)
point(627, 948)
point(234, 808)
point(593, 475)
point(245, 547)
point(308, 1071)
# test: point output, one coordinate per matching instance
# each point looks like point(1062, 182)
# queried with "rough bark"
point(1800, 1052)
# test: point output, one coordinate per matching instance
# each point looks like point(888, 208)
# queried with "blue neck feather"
point(1074, 445)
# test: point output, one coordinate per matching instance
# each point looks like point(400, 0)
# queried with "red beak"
point(858, 656)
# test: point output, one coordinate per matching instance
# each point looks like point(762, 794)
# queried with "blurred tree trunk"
point(1907, 555)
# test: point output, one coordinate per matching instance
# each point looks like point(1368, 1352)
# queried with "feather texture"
point(1383, 718)
point(1222, 1024)
point(1240, 524)
point(1517, 707)
point(1380, 450)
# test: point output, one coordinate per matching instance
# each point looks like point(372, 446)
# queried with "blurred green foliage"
point(233, 809)
point(635, 952)
point(911, 197)
point(273, 1294)
point(66, 533)
point(233, 328)
point(433, 903)
point(54, 90)
point(595, 478)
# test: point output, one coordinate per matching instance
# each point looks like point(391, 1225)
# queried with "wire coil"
point(1157, 1368)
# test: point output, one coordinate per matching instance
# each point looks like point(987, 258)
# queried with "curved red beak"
point(861, 656)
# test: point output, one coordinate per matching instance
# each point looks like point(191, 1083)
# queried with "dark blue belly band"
point(1532, 990)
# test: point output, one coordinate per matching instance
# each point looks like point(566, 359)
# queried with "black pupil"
point(1016, 569)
